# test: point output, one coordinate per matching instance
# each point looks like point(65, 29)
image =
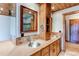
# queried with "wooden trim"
point(74, 20)
point(21, 19)
point(51, 21)
point(70, 13)
point(63, 7)
point(28, 8)
point(64, 27)
point(36, 53)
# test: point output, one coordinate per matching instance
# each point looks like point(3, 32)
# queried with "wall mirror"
point(28, 20)
point(8, 9)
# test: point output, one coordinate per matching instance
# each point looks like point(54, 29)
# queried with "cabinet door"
point(37, 53)
point(58, 46)
point(53, 49)
point(45, 51)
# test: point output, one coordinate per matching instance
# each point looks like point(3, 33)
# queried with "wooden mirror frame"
point(21, 19)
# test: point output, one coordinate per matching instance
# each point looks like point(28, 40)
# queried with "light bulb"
point(1, 9)
point(30, 12)
point(53, 7)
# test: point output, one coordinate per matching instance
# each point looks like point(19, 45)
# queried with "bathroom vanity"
point(47, 48)
point(52, 49)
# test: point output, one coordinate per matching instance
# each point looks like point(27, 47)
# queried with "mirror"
point(8, 9)
point(28, 20)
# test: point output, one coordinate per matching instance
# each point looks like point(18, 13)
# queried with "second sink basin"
point(34, 44)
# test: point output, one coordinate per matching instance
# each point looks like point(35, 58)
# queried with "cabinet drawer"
point(45, 51)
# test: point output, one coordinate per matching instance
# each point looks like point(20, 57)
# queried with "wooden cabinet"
point(42, 52)
point(48, 21)
point(55, 48)
point(37, 53)
point(51, 50)
point(58, 46)
point(45, 51)
point(45, 20)
point(48, 9)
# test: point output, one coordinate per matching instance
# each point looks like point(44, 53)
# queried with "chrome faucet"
point(29, 39)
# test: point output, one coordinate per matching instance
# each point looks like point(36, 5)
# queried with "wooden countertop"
point(23, 50)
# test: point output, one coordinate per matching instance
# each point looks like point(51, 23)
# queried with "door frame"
point(64, 25)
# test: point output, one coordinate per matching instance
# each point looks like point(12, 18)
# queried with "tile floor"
point(71, 50)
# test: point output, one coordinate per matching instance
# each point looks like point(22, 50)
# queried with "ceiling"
point(61, 6)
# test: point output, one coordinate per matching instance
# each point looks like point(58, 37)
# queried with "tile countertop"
point(23, 50)
point(6, 47)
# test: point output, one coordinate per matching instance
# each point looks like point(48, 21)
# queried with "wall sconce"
point(53, 7)
point(1, 10)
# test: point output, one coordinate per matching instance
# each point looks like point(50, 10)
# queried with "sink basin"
point(34, 44)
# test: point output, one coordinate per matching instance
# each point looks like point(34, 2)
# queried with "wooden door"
point(74, 30)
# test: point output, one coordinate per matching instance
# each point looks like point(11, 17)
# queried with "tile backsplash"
point(21, 40)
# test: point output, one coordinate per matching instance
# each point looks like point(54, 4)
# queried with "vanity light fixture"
point(53, 7)
point(1, 10)
point(11, 12)
point(30, 12)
